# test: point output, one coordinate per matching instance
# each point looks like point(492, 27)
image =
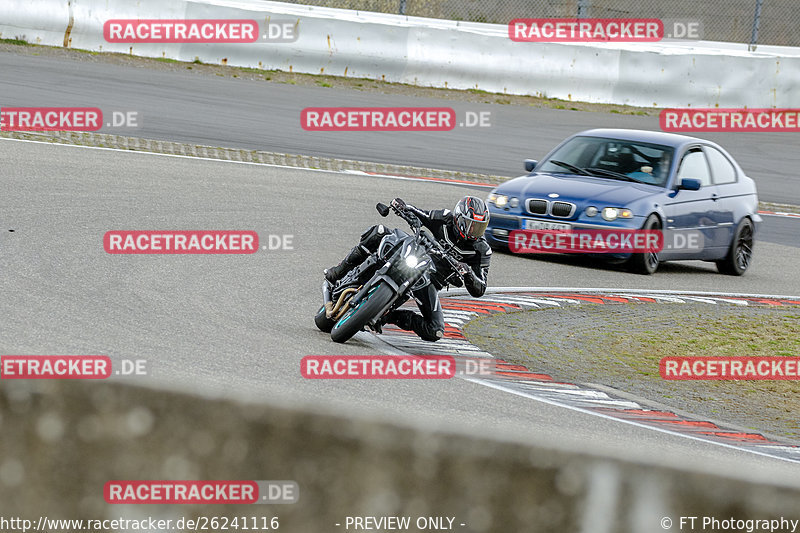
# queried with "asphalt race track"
point(205, 109)
point(210, 323)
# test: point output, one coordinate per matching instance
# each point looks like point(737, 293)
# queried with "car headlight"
point(412, 261)
point(499, 200)
point(514, 202)
point(613, 213)
point(610, 213)
point(591, 211)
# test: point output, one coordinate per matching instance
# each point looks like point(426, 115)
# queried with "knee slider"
point(432, 336)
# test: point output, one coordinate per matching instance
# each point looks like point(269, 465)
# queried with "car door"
point(725, 178)
point(689, 211)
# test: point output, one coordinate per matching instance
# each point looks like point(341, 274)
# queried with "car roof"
point(655, 137)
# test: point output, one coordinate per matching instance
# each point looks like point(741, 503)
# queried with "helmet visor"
point(472, 229)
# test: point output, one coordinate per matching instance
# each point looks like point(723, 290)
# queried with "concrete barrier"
point(62, 441)
point(437, 53)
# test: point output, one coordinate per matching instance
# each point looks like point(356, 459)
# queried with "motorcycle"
point(385, 280)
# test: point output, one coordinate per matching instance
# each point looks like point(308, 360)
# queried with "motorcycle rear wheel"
point(322, 321)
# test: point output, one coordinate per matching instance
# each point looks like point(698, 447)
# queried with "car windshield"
point(611, 158)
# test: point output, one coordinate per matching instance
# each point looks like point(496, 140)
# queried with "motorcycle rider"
point(461, 228)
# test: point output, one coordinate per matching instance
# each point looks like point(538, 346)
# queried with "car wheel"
point(740, 254)
point(646, 263)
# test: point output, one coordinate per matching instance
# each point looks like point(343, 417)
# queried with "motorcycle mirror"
point(383, 209)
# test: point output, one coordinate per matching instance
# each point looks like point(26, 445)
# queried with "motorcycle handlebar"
point(437, 248)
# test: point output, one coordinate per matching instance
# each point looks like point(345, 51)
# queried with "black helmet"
point(471, 216)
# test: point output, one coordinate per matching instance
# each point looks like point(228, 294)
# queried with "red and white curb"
point(779, 214)
point(459, 308)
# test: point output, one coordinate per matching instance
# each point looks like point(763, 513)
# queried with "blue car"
point(631, 179)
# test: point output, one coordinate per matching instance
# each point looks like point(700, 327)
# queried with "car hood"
point(579, 189)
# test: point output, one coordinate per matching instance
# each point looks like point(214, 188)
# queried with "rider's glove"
point(399, 204)
point(464, 269)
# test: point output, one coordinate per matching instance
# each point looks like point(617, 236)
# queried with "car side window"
point(695, 165)
point(722, 169)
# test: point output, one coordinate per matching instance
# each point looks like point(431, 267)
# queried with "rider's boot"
point(356, 256)
point(411, 321)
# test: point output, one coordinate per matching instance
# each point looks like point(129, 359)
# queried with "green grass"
point(625, 348)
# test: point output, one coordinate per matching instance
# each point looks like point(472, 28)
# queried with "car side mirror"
point(530, 164)
point(690, 184)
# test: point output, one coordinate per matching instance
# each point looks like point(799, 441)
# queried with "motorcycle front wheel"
point(354, 320)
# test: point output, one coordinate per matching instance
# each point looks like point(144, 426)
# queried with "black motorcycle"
point(384, 281)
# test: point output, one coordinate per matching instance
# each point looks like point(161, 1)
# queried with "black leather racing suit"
point(475, 255)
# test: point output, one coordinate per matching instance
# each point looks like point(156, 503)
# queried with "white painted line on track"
point(629, 422)
point(581, 398)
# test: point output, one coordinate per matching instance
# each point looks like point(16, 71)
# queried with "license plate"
point(528, 223)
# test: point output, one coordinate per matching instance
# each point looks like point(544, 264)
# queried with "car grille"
point(562, 209)
point(537, 206)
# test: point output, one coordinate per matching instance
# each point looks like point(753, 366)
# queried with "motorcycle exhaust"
point(326, 298)
point(341, 305)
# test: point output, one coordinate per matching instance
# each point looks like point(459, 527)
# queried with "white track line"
point(387, 348)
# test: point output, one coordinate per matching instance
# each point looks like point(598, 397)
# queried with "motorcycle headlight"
point(412, 261)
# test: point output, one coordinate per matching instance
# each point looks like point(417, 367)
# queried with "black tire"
point(646, 263)
point(355, 319)
point(323, 322)
point(740, 254)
